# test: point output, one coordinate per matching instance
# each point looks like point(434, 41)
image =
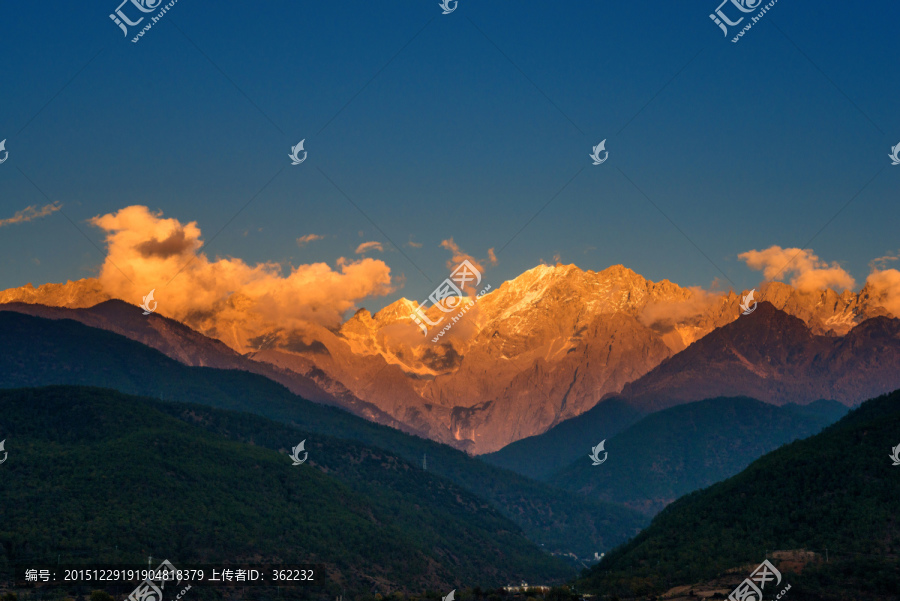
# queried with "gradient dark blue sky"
point(749, 145)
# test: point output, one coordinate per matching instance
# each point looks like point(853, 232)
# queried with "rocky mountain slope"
point(774, 357)
point(534, 351)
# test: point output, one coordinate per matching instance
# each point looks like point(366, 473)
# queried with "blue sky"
point(461, 125)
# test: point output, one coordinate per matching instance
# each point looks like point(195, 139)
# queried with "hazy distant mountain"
point(836, 490)
point(535, 351)
point(678, 450)
point(774, 357)
point(93, 469)
point(541, 456)
point(39, 352)
point(183, 344)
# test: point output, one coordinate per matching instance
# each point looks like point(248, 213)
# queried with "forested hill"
point(90, 470)
point(837, 490)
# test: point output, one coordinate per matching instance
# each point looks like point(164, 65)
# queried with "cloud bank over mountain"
point(146, 251)
point(537, 349)
point(808, 271)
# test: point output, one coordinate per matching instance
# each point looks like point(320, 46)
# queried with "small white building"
point(524, 587)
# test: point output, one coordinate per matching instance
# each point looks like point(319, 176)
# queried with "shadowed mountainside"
point(679, 450)
point(774, 357)
point(39, 352)
point(543, 455)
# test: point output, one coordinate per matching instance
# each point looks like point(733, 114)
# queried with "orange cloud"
point(881, 262)
point(807, 270)
point(459, 256)
point(146, 251)
point(367, 246)
point(883, 285)
point(304, 240)
point(665, 315)
point(29, 213)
